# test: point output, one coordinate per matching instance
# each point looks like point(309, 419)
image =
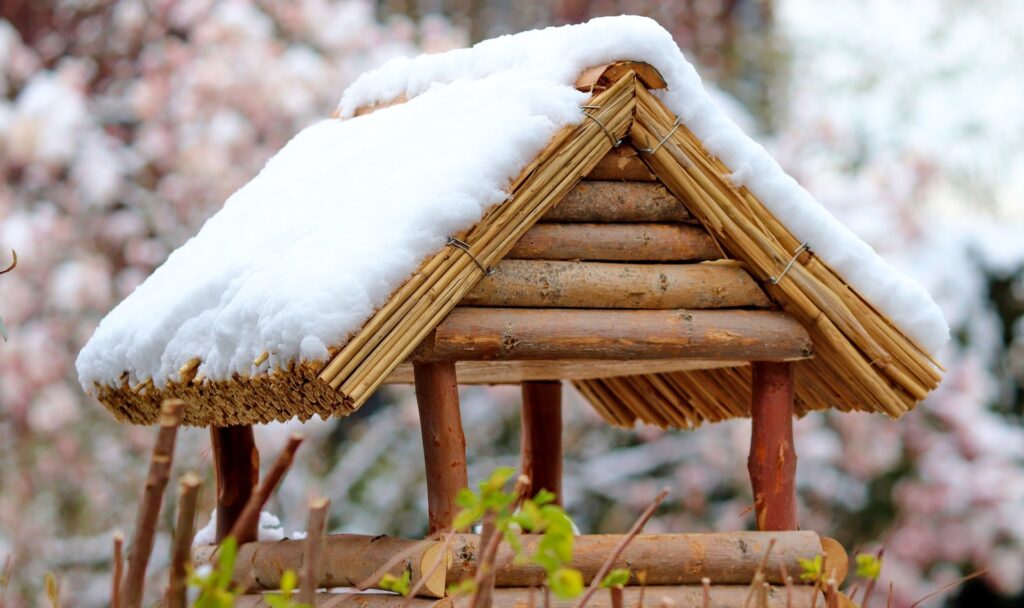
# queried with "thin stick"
point(248, 521)
point(957, 582)
point(871, 584)
point(429, 574)
point(318, 507)
point(616, 595)
point(5, 579)
point(115, 579)
point(491, 538)
point(184, 531)
point(641, 577)
point(759, 573)
point(831, 594)
point(607, 565)
point(888, 603)
point(706, 583)
point(152, 498)
point(789, 584)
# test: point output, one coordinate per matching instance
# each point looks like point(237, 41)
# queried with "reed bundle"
point(434, 290)
point(863, 361)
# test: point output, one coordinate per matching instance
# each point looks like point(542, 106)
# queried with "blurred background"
point(124, 124)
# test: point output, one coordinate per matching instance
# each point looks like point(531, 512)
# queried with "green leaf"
point(390, 582)
point(616, 578)
point(566, 583)
point(467, 499)
point(868, 566)
point(811, 568)
point(462, 588)
point(465, 518)
point(497, 480)
point(543, 498)
point(52, 589)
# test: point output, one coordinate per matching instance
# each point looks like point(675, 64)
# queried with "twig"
point(786, 578)
point(14, 264)
point(429, 574)
point(832, 594)
point(616, 595)
point(531, 597)
point(607, 565)
point(957, 582)
point(706, 583)
point(152, 498)
point(888, 603)
point(247, 525)
point(315, 528)
point(871, 584)
point(817, 588)
point(184, 531)
point(641, 577)
point(759, 574)
point(5, 579)
point(490, 540)
point(115, 579)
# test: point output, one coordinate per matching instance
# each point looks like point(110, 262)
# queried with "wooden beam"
point(541, 439)
point(571, 284)
point(470, 333)
point(600, 77)
point(236, 462)
point(444, 444)
point(606, 202)
point(622, 163)
point(772, 459)
point(616, 243)
point(517, 372)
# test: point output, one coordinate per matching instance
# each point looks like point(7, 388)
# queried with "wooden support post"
point(444, 444)
point(542, 437)
point(237, 464)
point(772, 460)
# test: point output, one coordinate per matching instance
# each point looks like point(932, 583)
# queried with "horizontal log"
point(515, 372)
point(668, 559)
point(616, 243)
point(349, 599)
point(618, 202)
point(680, 596)
point(348, 559)
point(622, 163)
point(471, 333)
point(560, 284)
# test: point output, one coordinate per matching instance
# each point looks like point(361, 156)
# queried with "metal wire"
point(802, 248)
point(462, 245)
point(675, 126)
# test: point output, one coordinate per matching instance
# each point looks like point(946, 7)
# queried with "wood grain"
point(616, 243)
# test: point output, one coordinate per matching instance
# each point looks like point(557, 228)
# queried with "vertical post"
point(772, 460)
point(541, 444)
point(236, 462)
point(444, 444)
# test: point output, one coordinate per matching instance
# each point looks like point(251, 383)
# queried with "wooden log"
point(470, 333)
point(517, 372)
point(616, 243)
point(152, 498)
point(772, 459)
point(444, 444)
point(347, 559)
point(312, 560)
point(359, 600)
point(682, 596)
point(607, 202)
point(668, 559)
point(561, 284)
point(236, 462)
point(541, 439)
point(622, 163)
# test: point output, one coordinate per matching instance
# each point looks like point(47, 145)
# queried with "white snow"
point(269, 529)
point(301, 256)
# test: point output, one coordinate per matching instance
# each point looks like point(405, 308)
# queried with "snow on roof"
point(302, 255)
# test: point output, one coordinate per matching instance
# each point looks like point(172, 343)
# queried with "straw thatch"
point(862, 360)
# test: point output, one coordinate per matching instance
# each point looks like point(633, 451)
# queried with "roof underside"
point(862, 360)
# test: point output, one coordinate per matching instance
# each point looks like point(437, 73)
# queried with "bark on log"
point(236, 462)
point(560, 284)
point(444, 444)
point(607, 202)
point(347, 560)
point(470, 333)
point(622, 163)
point(359, 600)
point(772, 459)
point(517, 372)
point(669, 559)
point(616, 243)
point(541, 441)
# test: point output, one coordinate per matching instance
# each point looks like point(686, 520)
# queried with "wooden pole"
point(444, 444)
point(542, 437)
point(152, 498)
point(246, 528)
point(237, 464)
point(312, 561)
point(184, 531)
point(772, 460)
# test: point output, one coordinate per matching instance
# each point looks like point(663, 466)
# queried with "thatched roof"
point(868, 352)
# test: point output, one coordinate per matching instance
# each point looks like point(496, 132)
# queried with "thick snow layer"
point(301, 256)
